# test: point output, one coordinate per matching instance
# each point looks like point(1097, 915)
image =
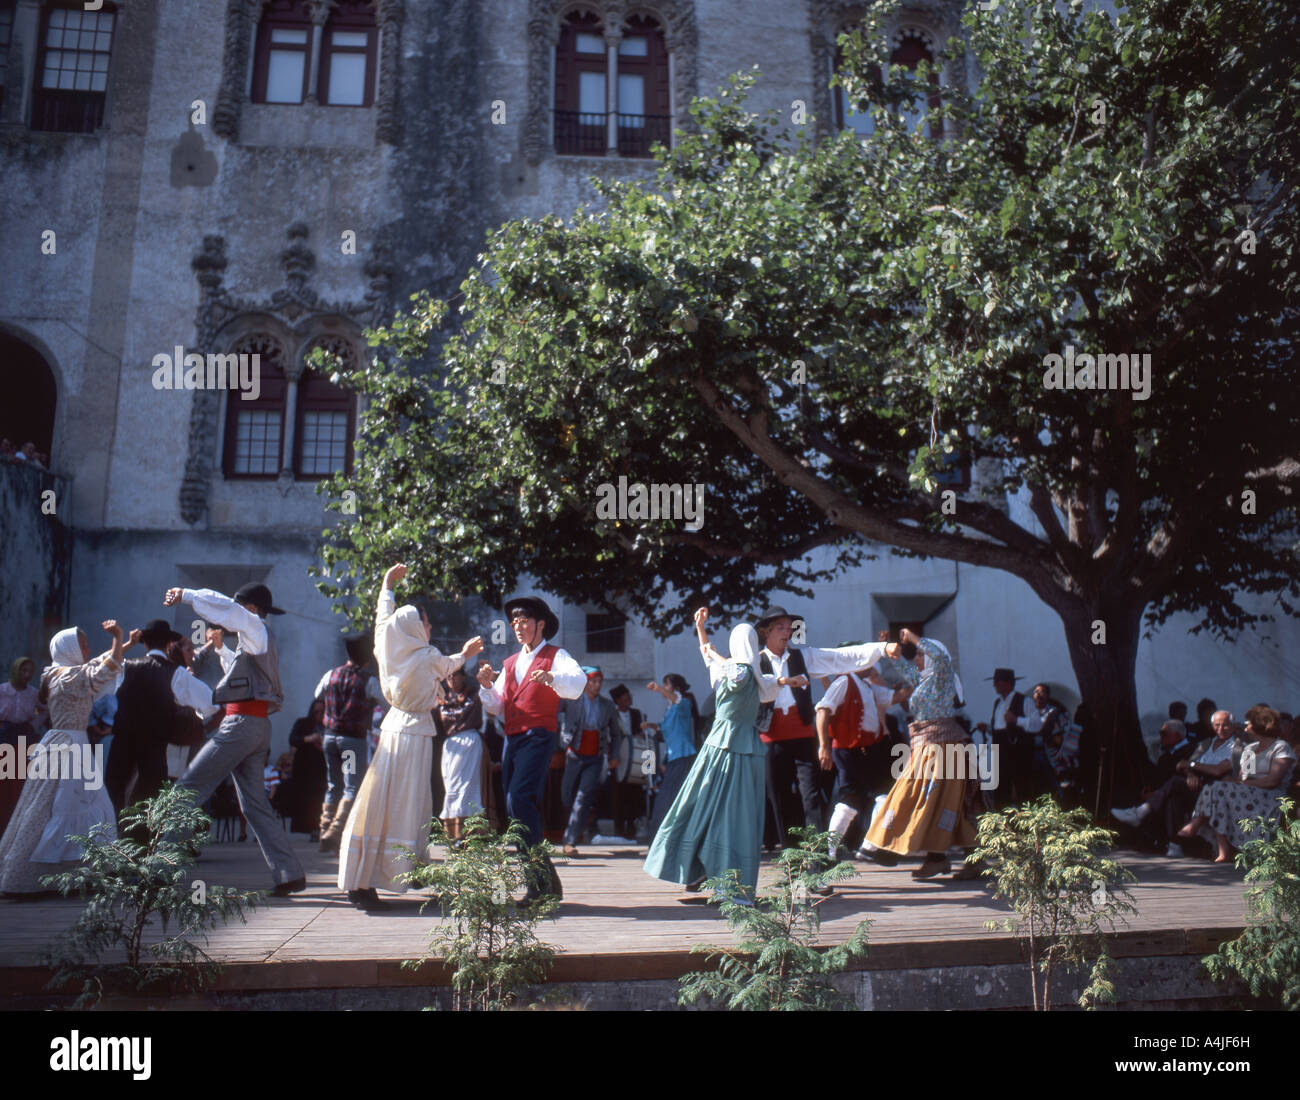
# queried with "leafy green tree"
point(1267, 954)
point(816, 331)
point(1050, 866)
point(776, 965)
point(489, 942)
point(132, 886)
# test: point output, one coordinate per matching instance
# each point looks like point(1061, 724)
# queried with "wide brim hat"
point(1004, 674)
point(258, 595)
point(776, 611)
point(536, 609)
point(158, 633)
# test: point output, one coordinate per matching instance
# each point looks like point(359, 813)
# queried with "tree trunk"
point(1112, 754)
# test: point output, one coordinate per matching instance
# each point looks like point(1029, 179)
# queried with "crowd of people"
point(399, 732)
point(27, 453)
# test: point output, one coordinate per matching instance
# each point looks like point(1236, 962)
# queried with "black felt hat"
point(259, 596)
point(1004, 674)
point(776, 611)
point(158, 633)
point(535, 609)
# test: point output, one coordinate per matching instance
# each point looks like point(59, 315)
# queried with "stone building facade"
point(240, 177)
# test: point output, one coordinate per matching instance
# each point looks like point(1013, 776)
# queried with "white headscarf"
point(65, 649)
point(744, 646)
point(929, 667)
point(400, 648)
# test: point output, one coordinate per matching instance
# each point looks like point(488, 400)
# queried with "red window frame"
point(350, 16)
point(281, 15)
point(316, 393)
point(274, 390)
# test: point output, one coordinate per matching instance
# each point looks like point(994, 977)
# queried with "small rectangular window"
point(591, 94)
point(257, 443)
point(324, 442)
point(606, 632)
point(635, 46)
point(589, 43)
point(631, 99)
point(284, 76)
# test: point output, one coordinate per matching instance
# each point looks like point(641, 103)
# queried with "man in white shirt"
point(527, 692)
point(787, 726)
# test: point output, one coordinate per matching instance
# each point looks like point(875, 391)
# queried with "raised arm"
point(222, 610)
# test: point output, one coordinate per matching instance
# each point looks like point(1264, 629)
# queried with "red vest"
point(529, 705)
point(846, 723)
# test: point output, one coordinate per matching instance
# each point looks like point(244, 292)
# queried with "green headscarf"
point(17, 667)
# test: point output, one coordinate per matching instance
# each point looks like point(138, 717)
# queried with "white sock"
point(841, 819)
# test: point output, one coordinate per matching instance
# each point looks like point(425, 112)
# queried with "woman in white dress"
point(395, 802)
point(64, 794)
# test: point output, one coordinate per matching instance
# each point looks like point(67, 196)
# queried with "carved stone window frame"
point(242, 18)
point(545, 17)
point(935, 20)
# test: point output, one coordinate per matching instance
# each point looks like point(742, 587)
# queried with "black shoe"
point(884, 858)
point(367, 900)
point(284, 889)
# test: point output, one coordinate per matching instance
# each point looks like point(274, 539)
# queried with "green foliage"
point(1050, 866)
point(131, 886)
point(776, 965)
point(1267, 954)
point(489, 942)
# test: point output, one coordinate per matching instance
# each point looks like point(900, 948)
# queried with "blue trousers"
point(524, 764)
point(345, 772)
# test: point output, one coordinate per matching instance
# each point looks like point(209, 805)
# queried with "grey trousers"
point(238, 749)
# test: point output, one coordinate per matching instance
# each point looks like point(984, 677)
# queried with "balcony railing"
point(583, 133)
point(67, 112)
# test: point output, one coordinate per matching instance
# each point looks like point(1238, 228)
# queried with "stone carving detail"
point(935, 20)
point(677, 17)
point(241, 24)
point(296, 308)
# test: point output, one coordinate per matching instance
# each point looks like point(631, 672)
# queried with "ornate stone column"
point(320, 12)
point(241, 18)
point(209, 266)
point(543, 34)
point(388, 14)
point(613, 36)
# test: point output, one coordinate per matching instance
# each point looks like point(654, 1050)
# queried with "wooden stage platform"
point(617, 924)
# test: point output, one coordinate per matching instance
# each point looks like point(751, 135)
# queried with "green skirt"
point(716, 821)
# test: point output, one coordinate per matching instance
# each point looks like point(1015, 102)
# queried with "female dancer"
point(716, 821)
point(58, 804)
point(678, 733)
point(926, 810)
point(395, 802)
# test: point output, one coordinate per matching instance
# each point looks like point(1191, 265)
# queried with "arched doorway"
point(27, 411)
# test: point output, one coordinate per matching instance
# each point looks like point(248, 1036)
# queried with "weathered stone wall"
point(35, 561)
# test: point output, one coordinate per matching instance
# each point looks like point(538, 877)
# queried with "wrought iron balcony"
point(583, 133)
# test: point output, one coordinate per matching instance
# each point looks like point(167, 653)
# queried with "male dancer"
point(790, 735)
point(852, 740)
point(588, 726)
point(350, 694)
point(250, 691)
point(528, 690)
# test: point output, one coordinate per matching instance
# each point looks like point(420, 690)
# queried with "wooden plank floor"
point(616, 922)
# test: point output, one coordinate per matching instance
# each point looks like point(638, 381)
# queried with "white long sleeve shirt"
point(570, 681)
point(822, 662)
point(875, 700)
point(717, 666)
point(222, 610)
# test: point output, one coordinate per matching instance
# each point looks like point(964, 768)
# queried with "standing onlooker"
point(627, 799)
point(678, 733)
point(309, 777)
point(213, 659)
point(1015, 749)
point(588, 726)
point(458, 718)
point(349, 693)
point(1043, 722)
point(1203, 727)
point(19, 706)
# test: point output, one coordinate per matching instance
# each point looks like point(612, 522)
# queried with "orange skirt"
point(925, 810)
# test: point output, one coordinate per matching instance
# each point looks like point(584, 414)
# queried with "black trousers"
point(863, 774)
point(1171, 804)
point(135, 751)
point(790, 763)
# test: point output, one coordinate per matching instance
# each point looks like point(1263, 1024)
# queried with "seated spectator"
point(1175, 746)
point(1178, 712)
point(1264, 773)
point(1171, 803)
point(7, 450)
